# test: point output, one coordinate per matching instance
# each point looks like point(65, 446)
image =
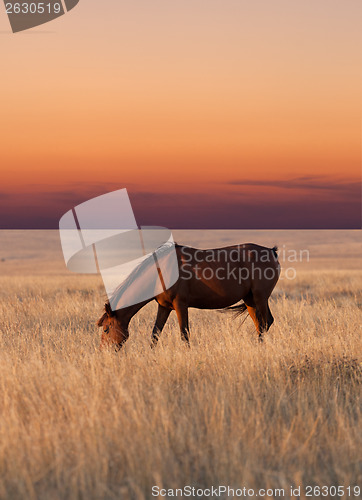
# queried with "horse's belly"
point(217, 297)
point(213, 304)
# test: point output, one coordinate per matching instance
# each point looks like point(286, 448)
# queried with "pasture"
point(76, 423)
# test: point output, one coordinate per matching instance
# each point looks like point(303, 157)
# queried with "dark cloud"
point(320, 183)
point(220, 211)
point(217, 209)
point(4, 196)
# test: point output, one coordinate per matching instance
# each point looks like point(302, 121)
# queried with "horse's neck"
point(125, 314)
point(146, 284)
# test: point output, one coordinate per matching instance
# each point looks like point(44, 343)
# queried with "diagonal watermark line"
point(78, 227)
point(63, 5)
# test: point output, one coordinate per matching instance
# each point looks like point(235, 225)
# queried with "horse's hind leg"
point(270, 318)
point(253, 313)
point(183, 319)
point(265, 317)
point(162, 316)
point(259, 312)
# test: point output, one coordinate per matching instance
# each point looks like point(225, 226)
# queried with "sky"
point(232, 114)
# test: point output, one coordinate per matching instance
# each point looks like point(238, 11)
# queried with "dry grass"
point(76, 423)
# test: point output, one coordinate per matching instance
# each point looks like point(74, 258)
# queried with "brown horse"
point(208, 279)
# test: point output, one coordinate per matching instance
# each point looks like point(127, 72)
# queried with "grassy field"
point(76, 423)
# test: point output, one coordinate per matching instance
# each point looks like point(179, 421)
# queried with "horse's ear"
point(100, 321)
point(108, 314)
point(108, 310)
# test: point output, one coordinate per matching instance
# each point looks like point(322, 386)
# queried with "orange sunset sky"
point(213, 114)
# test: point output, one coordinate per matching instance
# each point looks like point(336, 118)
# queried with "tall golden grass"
point(76, 423)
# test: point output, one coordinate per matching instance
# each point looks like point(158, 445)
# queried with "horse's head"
point(112, 332)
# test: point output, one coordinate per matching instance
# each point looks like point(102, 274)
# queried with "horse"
point(207, 279)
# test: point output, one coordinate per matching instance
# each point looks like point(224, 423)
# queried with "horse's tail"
point(275, 251)
point(238, 309)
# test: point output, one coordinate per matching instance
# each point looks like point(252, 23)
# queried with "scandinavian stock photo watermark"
point(27, 14)
point(242, 263)
point(224, 492)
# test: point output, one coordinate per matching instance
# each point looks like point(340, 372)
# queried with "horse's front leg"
point(162, 316)
point(183, 319)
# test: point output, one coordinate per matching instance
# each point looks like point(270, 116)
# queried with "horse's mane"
point(160, 252)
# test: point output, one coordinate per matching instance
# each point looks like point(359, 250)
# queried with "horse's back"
point(218, 278)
